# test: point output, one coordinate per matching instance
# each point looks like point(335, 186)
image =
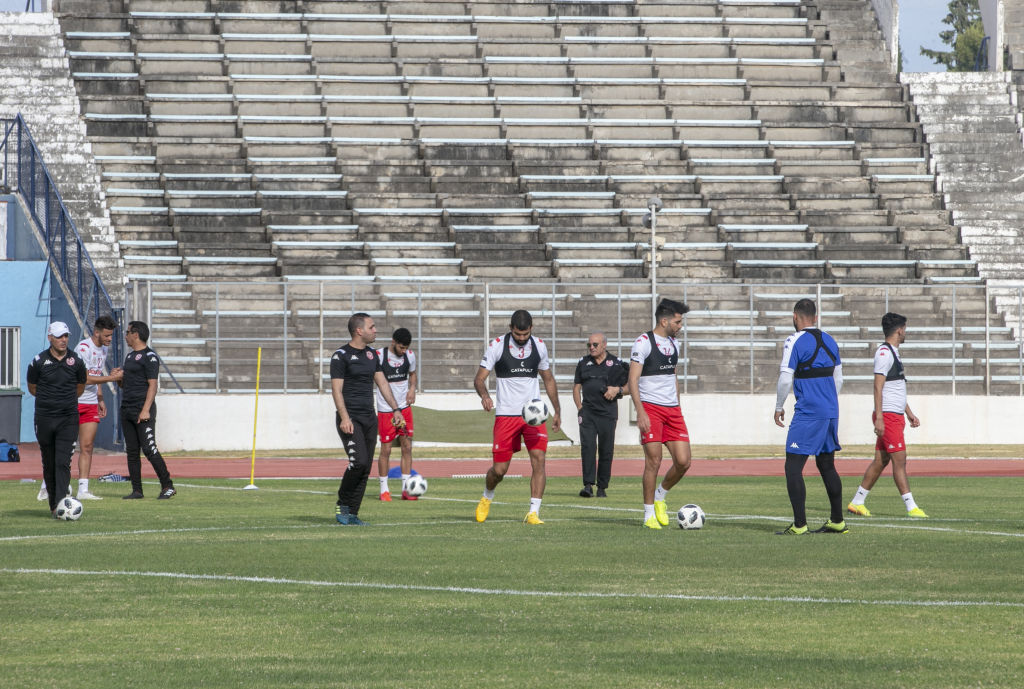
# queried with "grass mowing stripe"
point(516, 592)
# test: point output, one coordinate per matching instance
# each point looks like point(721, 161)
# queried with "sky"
point(920, 24)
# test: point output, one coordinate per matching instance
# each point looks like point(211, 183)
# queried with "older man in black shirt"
point(599, 383)
point(56, 379)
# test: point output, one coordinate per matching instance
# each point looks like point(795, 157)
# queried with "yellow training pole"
point(255, 416)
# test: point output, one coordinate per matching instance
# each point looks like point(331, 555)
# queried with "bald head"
point(597, 343)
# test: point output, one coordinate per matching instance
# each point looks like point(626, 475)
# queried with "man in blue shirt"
point(811, 368)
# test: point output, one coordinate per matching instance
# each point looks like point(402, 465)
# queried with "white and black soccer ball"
point(690, 517)
point(535, 412)
point(416, 485)
point(69, 509)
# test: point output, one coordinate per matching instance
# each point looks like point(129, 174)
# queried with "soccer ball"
point(416, 485)
point(69, 509)
point(535, 412)
point(690, 517)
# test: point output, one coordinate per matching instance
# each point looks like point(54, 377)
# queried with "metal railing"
point(962, 338)
point(24, 173)
point(10, 357)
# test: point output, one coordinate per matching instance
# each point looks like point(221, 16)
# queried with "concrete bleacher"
point(481, 141)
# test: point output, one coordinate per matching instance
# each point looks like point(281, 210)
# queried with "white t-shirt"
point(93, 357)
point(894, 392)
point(513, 393)
point(657, 389)
point(399, 389)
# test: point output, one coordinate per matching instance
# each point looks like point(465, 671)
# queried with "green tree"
point(964, 37)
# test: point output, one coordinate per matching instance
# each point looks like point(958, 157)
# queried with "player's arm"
point(337, 384)
point(879, 419)
point(32, 377)
point(410, 396)
point(82, 375)
point(480, 385)
point(782, 390)
point(552, 390)
point(577, 395)
point(151, 385)
point(643, 423)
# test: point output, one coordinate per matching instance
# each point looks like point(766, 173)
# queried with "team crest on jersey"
point(138, 357)
point(71, 361)
point(369, 355)
point(608, 363)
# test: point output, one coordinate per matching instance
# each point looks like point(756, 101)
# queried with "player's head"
point(805, 313)
point(894, 323)
point(597, 343)
point(400, 341)
point(361, 325)
point(57, 334)
point(103, 330)
point(669, 316)
point(521, 326)
point(137, 331)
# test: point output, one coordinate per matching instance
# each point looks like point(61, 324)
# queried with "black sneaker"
point(588, 491)
point(167, 493)
point(601, 493)
point(134, 495)
point(353, 520)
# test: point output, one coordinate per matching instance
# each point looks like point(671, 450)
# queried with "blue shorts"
point(809, 436)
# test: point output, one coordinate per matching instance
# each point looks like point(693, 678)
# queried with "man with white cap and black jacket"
point(56, 378)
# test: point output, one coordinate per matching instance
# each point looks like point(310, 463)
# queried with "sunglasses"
point(593, 344)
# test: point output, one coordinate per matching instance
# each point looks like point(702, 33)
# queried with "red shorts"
point(891, 439)
point(386, 425)
point(509, 434)
point(88, 413)
point(667, 425)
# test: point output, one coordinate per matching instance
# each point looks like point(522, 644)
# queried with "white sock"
point(908, 500)
point(861, 496)
point(659, 494)
point(83, 485)
point(535, 505)
point(383, 484)
point(648, 511)
point(405, 478)
point(489, 494)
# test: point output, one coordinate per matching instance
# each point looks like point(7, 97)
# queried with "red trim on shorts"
point(88, 413)
point(386, 425)
point(891, 439)
point(511, 432)
point(667, 425)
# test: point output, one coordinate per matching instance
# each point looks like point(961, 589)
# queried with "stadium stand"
point(249, 149)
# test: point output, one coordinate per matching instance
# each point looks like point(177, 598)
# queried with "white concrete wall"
point(225, 422)
point(888, 13)
point(992, 17)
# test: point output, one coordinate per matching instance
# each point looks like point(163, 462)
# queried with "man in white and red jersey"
point(888, 418)
point(655, 391)
point(517, 358)
point(398, 363)
point(91, 407)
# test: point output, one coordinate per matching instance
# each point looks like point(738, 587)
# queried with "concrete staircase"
point(35, 80)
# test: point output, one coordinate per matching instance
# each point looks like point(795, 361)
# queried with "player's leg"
point(588, 454)
point(132, 448)
point(47, 448)
point(360, 446)
point(147, 433)
point(605, 452)
point(797, 491)
point(825, 460)
point(899, 475)
point(652, 465)
point(65, 435)
point(506, 438)
point(536, 440)
point(86, 442)
point(871, 474)
point(383, 467)
point(405, 446)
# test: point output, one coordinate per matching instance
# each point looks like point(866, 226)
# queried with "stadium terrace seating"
point(439, 143)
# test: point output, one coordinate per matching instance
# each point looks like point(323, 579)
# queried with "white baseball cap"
point(58, 329)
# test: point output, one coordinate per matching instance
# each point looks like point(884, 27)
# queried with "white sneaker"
point(43, 495)
point(86, 495)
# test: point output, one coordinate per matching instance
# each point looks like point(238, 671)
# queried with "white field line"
point(525, 593)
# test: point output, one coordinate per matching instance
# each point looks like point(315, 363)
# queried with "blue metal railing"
point(25, 174)
point(981, 59)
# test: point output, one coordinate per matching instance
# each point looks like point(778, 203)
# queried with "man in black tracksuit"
point(138, 411)
point(599, 383)
point(56, 378)
point(355, 369)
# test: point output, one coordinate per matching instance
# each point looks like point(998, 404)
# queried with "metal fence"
point(10, 357)
point(25, 173)
point(963, 338)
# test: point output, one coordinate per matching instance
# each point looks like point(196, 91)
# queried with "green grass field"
point(224, 588)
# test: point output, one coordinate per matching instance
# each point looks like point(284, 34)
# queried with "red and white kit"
point(397, 370)
point(659, 390)
point(894, 399)
point(516, 369)
point(93, 357)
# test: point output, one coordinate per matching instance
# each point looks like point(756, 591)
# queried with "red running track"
point(286, 467)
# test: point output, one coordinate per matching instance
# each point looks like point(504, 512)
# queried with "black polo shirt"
point(139, 368)
point(595, 379)
point(356, 367)
point(56, 382)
